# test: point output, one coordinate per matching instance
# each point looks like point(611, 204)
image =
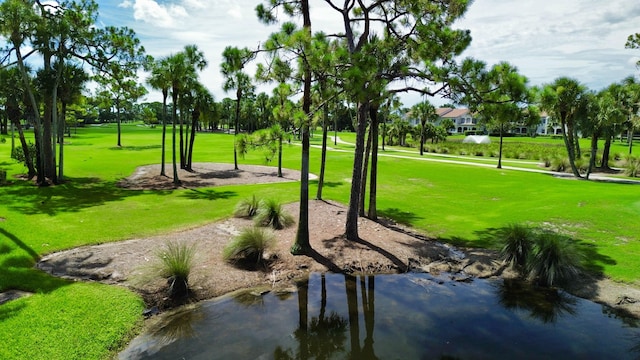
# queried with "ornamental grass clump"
point(554, 259)
point(515, 243)
point(632, 167)
point(270, 213)
point(249, 246)
point(544, 257)
point(176, 262)
point(247, 208)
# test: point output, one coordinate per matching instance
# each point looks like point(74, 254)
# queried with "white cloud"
point(545, 39)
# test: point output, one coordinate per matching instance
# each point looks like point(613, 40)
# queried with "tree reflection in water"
point(544, 304)
point(324, 336)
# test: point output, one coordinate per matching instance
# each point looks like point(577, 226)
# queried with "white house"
point(462, 119)
point(547, 126)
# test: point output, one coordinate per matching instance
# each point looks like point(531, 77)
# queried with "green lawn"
point(453, 203)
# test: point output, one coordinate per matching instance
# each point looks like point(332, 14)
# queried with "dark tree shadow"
point(136, 148)
point(72, 196)
point(402, 217)
point(208, 194)
point(34, 255)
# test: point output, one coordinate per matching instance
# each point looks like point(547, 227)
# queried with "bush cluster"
point(251, 244)
point(545, 257)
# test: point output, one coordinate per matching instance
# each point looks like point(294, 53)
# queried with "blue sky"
point(545, 39)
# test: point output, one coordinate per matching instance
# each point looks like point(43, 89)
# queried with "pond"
point(408, 316)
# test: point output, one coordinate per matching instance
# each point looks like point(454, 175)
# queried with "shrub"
point(560, 164)
point(247, 207)
point(632, 167)
point(515, 242)
point(553, 259)
point(270, 213)
point(176, 262)
point(250, 245)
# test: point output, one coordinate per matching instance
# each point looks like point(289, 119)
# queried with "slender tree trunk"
point(373, 184)
point(235, 132)
point(630, 139)
point(164, 132)
point(36, 113)
point(176, 180)
point(500, 148)
point(118, 122)
point(301, 244)
point(323, 160)
point(192, 139)
point(365, 170)
point(351, 228)
point(606, 153)
point(31, 170)
point(182, 157)
point(567, 136)
point(280, 155)
point(63, 115)
point(594, 151)
point(422, 138)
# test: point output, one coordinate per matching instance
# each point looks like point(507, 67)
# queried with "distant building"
point(547, 126)
point(462, 119)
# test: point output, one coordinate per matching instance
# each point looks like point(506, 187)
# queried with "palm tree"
point(69, 91)
point(427, 115)
point(564, 98)
point(202, 103)
point(160, 79)
point(232, 69)
point(182, 68)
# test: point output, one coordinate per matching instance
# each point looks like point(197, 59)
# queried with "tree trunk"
point(594, 151)
point(605, 154)
point(194, 123)
point(630, 139)
point(60, 136)
point(500, 148)
point(280, 155)
point(365, 169)
point(351, 228)
point(118, 123)
point(301, 244)
point(176, 180)
point(235, 131)
point(567, 136)
point(25, 149)
point(422, 138)
point(323, 160)
point(373, 183)
point(164, 131)
point(182, 157)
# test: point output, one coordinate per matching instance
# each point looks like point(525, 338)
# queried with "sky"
point(544, 39)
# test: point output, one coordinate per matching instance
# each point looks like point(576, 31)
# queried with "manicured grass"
point(453, 203)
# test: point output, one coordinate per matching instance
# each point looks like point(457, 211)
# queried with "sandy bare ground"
point(384, 247)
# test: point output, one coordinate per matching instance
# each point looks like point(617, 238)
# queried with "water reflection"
point(321, 338)
point(411, 316)
point(542, 303)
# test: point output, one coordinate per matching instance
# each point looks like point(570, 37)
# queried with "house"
point(547, 126)
point(462, 119)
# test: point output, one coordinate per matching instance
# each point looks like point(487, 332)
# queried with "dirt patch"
point(384, 247)
point(205, 174)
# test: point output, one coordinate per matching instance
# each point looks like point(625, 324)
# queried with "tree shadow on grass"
point(136, 148)
point(402, 217)
point(72, 196)
point(208, 194)
point(18, 273)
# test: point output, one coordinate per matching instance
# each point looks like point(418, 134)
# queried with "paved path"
point(460, 160)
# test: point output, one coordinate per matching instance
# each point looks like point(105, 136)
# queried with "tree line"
point(343, 78)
